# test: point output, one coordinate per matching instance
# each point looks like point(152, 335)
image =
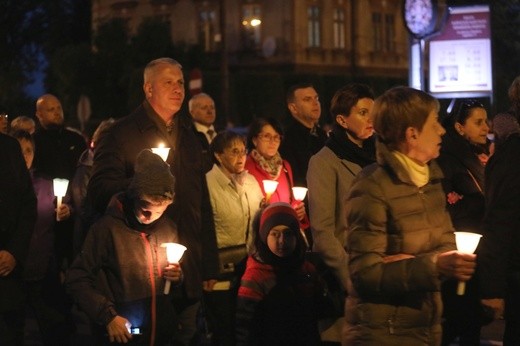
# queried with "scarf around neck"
point(345, 149)
point(419, 174)
point(272, 166)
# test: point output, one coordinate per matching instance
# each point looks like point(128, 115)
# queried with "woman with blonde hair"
point(400, 238)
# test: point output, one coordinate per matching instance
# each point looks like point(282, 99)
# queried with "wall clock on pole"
point(420, 17)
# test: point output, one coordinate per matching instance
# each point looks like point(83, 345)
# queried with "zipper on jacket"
point(148, 249)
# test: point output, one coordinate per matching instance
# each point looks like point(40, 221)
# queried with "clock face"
point(419, 16)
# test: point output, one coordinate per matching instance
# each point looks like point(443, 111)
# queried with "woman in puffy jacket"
point(400, 238)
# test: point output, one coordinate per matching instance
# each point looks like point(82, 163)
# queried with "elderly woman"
point(265, 163)
point(235, 197)
point(400, 238)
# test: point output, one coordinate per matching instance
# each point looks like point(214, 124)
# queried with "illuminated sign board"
point(460, 57)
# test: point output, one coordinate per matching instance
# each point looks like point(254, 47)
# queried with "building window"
point(251, 25)
point(339, 28)
point(313, 24)
point(384, 32)
point(389, 33)
point(207, 29)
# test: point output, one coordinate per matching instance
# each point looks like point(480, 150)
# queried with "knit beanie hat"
point(279, 213)
point(152, 176)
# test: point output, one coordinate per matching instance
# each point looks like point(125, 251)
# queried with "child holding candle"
point(124, 248)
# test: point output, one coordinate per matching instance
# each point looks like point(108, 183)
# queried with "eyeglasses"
point(267, 137)
point(237, 153)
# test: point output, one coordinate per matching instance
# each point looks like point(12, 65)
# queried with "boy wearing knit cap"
point(279, 294)
point(124, 248)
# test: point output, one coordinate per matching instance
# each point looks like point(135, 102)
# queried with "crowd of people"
point(368, 257)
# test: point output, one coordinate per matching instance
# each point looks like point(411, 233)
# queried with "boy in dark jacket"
point(118, 278)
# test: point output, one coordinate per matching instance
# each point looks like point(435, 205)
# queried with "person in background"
point(45, 295)
point(157, 120)
point(235, 197)
point(279, 294)
point(400, 239)
point(506, 123)
point(4, 123)
point(465, 151)
point(18, 216)
point(499, 249)
point(57, 156)
point(124, 248)
point(303, 135)
point(265, 162)
point(59, 148)
point(202, 110)
point(349, 148)
point(79, 184)
point(23, 122)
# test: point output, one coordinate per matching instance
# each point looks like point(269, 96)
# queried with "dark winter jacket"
point(275, 310)
point(113, 169)
point(395, 302)
point(297, 147)
point(42, 240)
point(57, 152)
point(119, 271)
point(499, 248)
point(464, 175)
point(17, 218)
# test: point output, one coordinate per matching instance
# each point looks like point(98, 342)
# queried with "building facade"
point(356, 37)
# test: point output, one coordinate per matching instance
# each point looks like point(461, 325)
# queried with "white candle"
point(174, 254)
point(60, 190)
point(299, 193)
point(162, 151)
point(466, 243)
point(269, 188)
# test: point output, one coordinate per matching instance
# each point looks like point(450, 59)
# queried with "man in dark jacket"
point(303, 137)
point(57, 155)
point(157, 121)
point(17, 218)
point(499, 255)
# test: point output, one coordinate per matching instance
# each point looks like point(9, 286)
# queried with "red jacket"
point(283, 192)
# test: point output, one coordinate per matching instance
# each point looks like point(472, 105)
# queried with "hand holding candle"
point(174, 254)
point(466, 243)
point(161, 151)
point(269, 188)
point(60, 189)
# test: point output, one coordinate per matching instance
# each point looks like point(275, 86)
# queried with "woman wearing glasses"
point(265, 163)
point(235, 197)
point(464, 153)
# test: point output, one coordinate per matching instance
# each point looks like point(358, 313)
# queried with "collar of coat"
point(387, 160)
